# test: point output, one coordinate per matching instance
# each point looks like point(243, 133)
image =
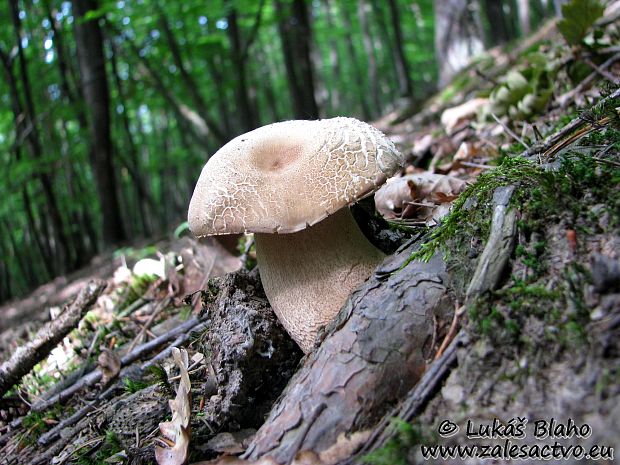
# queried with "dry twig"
point(28, 355)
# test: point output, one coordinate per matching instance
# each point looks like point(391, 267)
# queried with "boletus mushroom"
point(291, 183)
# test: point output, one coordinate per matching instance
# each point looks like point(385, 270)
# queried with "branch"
point(28, 355)
point(94, 376)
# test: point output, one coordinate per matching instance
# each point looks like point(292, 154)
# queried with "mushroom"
point(291, 183)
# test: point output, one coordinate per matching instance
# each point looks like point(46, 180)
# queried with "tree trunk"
point(499, 29)
point(360, 91)
point(131, 162)
point(73, 96)
point(457, 37)
point(190, 84)
point(369, 49)
point(295, 35)
point(26, 125)
point(334, 63)
point(396, 75)
point(523, 7)
point(89, 42)
point(402, 66)
point(244, 106)
point(374, 352)
point(214, 67)
point(266, 82)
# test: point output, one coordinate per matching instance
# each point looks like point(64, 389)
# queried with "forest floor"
point(515, 165)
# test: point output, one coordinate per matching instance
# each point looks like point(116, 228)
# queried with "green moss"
point(110, 446)
point(472, 205)
point(135, 289)
point(36, 423)
point(397, 449)
point(161, 378)
point(131, 386)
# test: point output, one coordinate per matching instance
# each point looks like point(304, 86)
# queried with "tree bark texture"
point(89, 41)
point(375, 351)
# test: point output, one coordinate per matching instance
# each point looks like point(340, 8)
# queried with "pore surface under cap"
point(286, 176)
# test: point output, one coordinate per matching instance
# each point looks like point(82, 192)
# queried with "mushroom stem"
point(308, 275)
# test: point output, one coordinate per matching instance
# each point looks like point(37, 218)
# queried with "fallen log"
point(374, 352)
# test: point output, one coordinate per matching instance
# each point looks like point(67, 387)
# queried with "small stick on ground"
point(451, 332)
point(158, 308)
point(28, 355)
point(137, 353)
point(510, 132)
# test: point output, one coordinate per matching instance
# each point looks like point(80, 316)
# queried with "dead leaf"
point(307, 457)
point(421, 196)
point(176, 432)
point(344, 447)
point(453, 117)
point(422, 145)
point(110, 365)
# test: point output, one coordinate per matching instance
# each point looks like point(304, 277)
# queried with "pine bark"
point(373, 354)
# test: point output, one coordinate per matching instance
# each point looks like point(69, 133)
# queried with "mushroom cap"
point(286, 176)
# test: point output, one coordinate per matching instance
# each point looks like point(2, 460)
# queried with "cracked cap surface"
point(286, 176)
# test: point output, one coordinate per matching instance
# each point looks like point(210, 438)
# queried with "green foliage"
point(161, 378)
point(181, 229)
point(396, 451)
point(185, 313)
point(134, 290)
point(525, 91)
point(36, 423)
point(578, 17)
point(133, 253)
point(111, 445)
point(131, 386)
point(512, 170)
point(247, 248)
point(169, 65)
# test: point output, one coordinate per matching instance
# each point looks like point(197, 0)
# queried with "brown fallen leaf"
point(176, 432)
point(423, 197)
point(344, 447)
point(110, 365)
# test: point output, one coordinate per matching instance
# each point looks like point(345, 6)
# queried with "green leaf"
point(182, 228)
point(579, 16)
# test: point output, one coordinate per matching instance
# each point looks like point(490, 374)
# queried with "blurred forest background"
point(110, 108)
